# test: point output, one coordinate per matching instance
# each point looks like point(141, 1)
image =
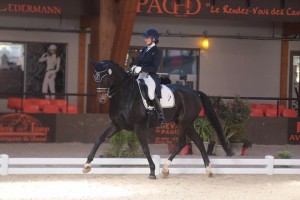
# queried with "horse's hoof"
point(208, 171)
point(165, 172)
point(87, 168)
point(151, 176)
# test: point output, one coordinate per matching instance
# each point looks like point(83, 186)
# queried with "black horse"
point(128, 112)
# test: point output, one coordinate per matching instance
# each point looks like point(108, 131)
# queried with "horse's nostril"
point(101, 100)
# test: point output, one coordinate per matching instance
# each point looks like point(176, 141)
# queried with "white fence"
point(268, 166)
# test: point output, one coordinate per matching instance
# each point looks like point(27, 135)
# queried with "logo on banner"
point(22, 128)
point(33, 9)
point(183, 8)
point(294, 138)
point(198, 8)
point(166, 134)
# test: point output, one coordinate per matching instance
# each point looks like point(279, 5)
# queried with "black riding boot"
point(159, 111)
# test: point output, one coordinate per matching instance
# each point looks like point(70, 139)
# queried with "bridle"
point(107, 90)
point(98, 78)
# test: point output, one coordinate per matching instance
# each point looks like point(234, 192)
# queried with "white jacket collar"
point(150, 46)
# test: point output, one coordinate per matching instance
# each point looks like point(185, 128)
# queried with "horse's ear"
point(95, 65)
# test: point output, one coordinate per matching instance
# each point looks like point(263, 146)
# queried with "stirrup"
point(161, 119)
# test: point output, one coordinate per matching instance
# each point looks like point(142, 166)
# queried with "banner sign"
point(17, 127)
point(167, 133)
point(50, 7)
point(294, 131)
point(272, 10)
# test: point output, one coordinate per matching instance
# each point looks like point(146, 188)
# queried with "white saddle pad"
point(167, 100)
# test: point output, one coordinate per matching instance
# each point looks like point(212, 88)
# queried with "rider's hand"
point(136, 69)
point(132, 68)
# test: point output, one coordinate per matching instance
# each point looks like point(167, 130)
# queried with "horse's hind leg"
point(199, 143)
point(110, 131)
point(181, 144)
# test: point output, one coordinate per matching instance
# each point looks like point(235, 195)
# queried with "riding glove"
point(136, 69)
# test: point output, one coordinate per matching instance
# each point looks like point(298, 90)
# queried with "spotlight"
point(177, 1)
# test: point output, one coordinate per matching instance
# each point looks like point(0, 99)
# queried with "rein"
point(119, 86)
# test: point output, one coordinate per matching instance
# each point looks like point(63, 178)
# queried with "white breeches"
point(150, 84)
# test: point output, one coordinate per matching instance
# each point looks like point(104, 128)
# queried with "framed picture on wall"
point(45, 69)
point(11, 69)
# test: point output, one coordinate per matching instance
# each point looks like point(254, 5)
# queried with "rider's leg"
point(159, 111)
point(151, 84)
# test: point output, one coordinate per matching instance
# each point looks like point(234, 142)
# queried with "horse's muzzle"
point(102, 97)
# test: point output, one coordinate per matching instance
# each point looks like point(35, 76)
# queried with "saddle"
point(167, 100)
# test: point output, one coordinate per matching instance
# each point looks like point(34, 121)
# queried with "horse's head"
point(103, 75)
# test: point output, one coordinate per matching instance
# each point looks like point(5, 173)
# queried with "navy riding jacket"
point(150, 61)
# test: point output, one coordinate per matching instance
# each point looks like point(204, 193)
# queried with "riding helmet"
point(152, 33)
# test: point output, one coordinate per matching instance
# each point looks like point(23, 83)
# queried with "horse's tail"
point(214, 120)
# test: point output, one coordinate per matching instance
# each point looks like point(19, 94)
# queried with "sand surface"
point(139, 187)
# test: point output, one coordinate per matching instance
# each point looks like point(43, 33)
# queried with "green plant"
point(284, 155)
point(204, 129)
point(124, 144)
point(233, 115)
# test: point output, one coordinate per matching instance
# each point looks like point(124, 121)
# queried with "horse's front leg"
point(145, 147)
point(110, 131)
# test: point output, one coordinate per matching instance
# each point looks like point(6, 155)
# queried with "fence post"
point(270, 165)
point(4, 165)
point(156, 160)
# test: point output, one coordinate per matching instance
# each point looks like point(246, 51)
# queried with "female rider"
point(147, 65)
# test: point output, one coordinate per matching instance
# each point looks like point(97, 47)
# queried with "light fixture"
point(204, 43)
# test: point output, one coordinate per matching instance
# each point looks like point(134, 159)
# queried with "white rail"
point(268, 166)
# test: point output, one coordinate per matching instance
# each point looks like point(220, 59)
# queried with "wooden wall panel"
point(288, 29)
point(284, 70)
point(81, 70)
point(110, 38)
point(92, 105)
point(126, 18)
